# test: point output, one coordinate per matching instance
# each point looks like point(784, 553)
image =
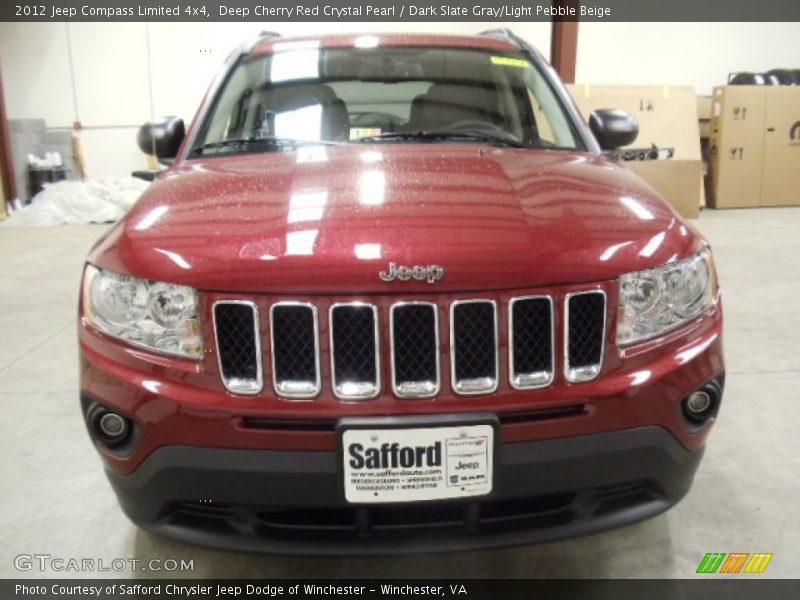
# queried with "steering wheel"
point(478, 126)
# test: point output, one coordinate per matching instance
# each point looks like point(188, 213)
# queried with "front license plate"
point(414, 464)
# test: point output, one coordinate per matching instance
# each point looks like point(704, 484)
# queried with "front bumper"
point(261, 473)
point(291, 501)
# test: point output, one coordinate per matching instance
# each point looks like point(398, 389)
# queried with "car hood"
point(328, 219)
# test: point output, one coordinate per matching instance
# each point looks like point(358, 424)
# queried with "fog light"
point(700, 405)
point(110, 429)
point(698, 402)
point(112, 425)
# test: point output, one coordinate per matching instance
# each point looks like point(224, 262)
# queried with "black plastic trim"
point(243, 482)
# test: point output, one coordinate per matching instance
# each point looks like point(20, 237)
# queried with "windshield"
point(384, 95)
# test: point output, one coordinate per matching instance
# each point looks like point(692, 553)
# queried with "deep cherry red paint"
point(328, 219)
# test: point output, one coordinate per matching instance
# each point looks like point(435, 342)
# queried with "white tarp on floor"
point(100, 200)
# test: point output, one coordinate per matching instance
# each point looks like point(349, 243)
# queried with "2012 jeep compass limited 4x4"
point(392, 295)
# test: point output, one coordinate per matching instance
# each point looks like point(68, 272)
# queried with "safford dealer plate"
point(413, 464)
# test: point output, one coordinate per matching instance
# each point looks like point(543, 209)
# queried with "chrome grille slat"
point(294, 338)
point(414, 345)
point(414, 335)
point(238, 336)
point(531, 346)
point(584, 334)
point(473, 346)
point(355, 356)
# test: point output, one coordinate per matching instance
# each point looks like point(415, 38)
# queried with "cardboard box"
point(780, 184)
point(737, 146)
point(704, 116)
point(667, 117)
point(704, 108)
point(755, 146)
point(676, 180)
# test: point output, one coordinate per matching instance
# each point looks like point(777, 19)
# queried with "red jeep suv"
point(393, 295)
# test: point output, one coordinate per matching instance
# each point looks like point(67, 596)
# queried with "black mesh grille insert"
point(414, 340)
point(236, 343)
point(474, 344)
point(532, 335)
point(294, 348)
point(586, 322)
point(353, 345)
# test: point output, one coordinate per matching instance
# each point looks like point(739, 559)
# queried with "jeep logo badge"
point(430, 273)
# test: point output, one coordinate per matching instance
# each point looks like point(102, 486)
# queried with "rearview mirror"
point(162, 137)
point(613, 128)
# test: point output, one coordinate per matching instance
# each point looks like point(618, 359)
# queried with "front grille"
point(354, 351)
point(585, 334)
point(530, 331)
point(473, 346)
point(413, 334)
point(415, 349)
point(238, 346)
point(295, 349)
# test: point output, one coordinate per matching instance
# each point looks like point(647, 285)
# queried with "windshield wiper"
point(267, 142)
point(488, 138)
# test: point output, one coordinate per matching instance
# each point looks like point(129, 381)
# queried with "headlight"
point(159, 316)
point(654, 301)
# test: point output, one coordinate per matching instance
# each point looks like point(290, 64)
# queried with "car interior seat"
point(447, 103)
point(280, 100)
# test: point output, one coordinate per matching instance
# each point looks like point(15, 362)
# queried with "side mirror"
point(162, 137)
point(613, 128)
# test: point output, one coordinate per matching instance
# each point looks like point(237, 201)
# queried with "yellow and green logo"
point(735, 562)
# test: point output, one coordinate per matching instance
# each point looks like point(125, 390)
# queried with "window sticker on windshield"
point(510, 61)
point(361, 132)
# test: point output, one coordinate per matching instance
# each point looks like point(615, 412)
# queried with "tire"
point(744, 79)
point(782, 76)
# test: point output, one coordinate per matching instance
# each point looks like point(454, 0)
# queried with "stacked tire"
point(772, 77)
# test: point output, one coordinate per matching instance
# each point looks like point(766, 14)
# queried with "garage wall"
point(122, 73)
point(697, 54)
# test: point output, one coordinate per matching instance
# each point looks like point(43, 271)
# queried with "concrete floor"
point(55, 499)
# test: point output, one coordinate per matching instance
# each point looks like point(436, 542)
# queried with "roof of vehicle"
point(274, 43)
